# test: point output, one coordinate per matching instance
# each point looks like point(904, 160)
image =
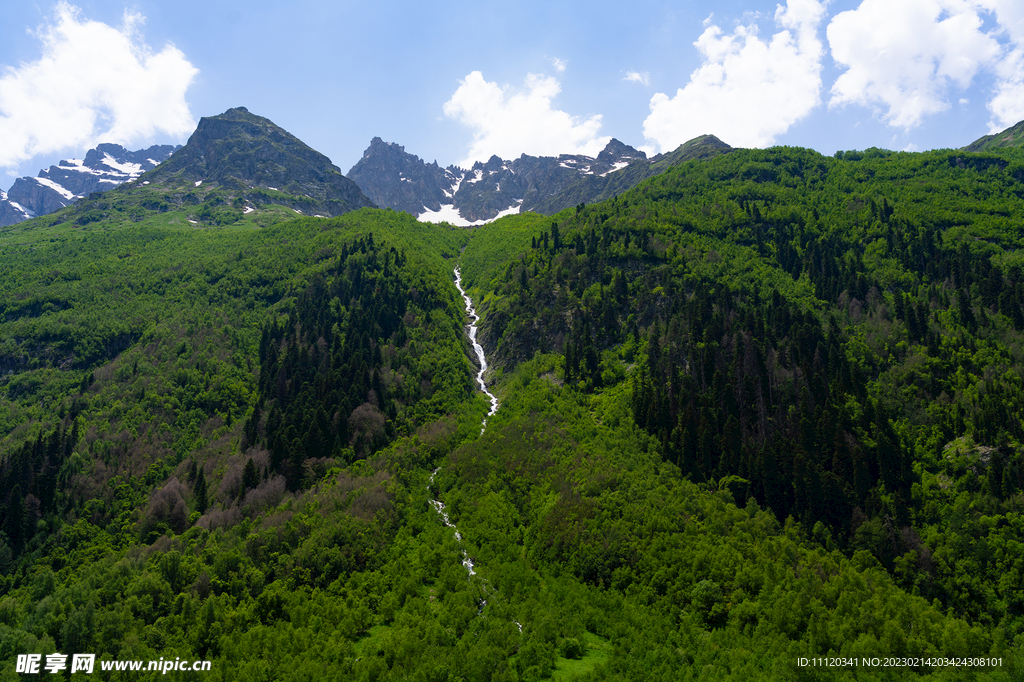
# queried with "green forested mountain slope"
point(763, 406)
point(593, 188)
point(837, 338)
point(1009, 138)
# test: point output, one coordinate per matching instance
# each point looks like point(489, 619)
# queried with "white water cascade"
point(477, 348)
point(438, 505)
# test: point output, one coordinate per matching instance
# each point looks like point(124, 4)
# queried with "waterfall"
point(438, 505)
point(477, 348)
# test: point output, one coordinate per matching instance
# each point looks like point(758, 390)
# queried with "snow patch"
point(449, 214)
point(618, 166)
point(46, 182)
point(145, 182)
point(248, 210)
point(15, 205)
point(478, 176)
point(273, 189)
point(511, 210)
point(458, 183)
point(21, 209)
point(130, 169)
point(446, 214)
point(198, 182)
point(79, 167)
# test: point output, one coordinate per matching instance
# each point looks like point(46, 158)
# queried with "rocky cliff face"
point(105, 167)
point(250, 156)
point(10, 212)
point(392, 178)
point(396, 179)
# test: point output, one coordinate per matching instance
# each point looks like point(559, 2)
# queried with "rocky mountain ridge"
point(593, 188)
point(249, 155)
point(258, 162)
point(60, 185)
point(393, 178)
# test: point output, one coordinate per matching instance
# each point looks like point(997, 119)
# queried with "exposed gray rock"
point(105, 167)
point(10, 212)
point(38, 198)
point(396, 179)
point(418, 185)
point(255, 158)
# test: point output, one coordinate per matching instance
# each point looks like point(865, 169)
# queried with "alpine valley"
point(760, 413)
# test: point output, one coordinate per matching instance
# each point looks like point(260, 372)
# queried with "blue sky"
point(456, 81)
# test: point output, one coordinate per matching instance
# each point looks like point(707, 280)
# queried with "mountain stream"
point(477, 348)
point(438, 505)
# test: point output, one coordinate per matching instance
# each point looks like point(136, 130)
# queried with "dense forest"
point(836, 339)
point(762, 407)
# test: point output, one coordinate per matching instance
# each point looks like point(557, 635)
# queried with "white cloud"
point(748, 90)
point(644, 78)
point(558, 64)
point(1007, 104)
point(904, 56)
point(93, 83)
point(509, 123)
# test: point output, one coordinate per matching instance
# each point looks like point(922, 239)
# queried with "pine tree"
point(252, 425)
point(250, 478)
point(199, 489)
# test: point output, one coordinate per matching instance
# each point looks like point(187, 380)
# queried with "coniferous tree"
point(250, 478)
point(200, 492)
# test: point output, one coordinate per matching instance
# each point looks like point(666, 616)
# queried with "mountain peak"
point(238, 114)
point(393, 178)
point(617, 150)
point(250, 154)
point(495, 163)
point(379, 147)
point(396, 179)
point(700, 147)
